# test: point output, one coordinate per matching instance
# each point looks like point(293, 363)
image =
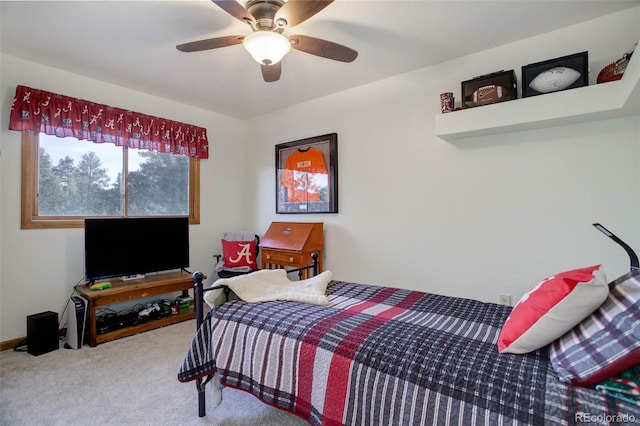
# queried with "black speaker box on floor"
point(42, 333)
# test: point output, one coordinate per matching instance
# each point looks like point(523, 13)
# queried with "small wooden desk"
point(290, 244)
point(124, 291)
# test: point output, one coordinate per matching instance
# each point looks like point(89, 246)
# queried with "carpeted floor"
point(130, 381)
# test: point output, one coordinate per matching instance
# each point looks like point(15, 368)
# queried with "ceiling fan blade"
point(235, 9)
point(298, 11)
point(323, 48)
point(210, 43)
point(271, 73)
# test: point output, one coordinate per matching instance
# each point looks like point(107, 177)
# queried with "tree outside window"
point(77, 178)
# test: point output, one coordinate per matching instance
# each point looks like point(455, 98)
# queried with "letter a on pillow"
point(552, 308)
point(239, 253)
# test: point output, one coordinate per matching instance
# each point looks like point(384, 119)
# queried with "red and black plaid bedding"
point(388, 356)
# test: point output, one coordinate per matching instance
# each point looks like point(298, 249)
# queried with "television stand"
point(125, 291)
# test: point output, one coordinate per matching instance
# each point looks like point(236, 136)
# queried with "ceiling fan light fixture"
point(267, 47)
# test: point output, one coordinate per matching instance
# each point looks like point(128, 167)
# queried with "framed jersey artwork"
point(307, 175)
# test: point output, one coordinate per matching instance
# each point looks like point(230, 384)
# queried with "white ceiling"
point(132, 43)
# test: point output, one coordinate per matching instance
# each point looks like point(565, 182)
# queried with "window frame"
point(29, 217)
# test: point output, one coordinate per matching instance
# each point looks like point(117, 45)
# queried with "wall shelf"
point(584, 104)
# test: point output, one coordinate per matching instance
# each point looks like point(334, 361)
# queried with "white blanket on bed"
point(273, 284)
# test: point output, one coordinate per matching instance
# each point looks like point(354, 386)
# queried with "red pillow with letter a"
point(239, 253)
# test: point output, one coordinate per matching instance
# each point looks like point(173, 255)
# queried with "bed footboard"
point(199, 301)
point(199, 291)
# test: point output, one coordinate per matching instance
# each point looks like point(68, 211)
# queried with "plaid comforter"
point(387, 356)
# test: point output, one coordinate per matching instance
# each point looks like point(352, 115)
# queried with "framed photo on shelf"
point(554, 75)
point(307, 175)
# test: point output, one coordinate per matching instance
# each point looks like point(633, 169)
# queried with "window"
point(65, 180)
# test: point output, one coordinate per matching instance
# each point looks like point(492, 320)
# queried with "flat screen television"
point(117, 247)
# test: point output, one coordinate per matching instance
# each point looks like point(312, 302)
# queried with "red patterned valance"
point(63, 116)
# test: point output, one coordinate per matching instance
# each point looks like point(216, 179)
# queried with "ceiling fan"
point(269, 19)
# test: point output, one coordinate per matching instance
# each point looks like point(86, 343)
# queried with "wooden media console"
point(125, 291)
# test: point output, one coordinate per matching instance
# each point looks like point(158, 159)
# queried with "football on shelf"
point(489, 94)
point(615, 70)
point(611, 72)
point(554, 79)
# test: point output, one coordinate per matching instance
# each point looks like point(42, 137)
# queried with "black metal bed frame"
point(199, 291)
point(633, 257)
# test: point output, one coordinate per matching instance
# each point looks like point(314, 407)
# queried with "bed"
point(387, 356)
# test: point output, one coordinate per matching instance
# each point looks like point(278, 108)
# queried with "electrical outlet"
point(504, 299)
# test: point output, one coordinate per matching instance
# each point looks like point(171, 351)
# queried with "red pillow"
point(239, 253)
point(552, 308)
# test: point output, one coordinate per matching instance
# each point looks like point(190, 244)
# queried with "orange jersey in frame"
point(305, 175)
point(310, 161)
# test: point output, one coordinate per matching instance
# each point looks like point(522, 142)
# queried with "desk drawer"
point(280, 258)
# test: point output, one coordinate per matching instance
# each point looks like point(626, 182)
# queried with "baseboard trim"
point(10, 344)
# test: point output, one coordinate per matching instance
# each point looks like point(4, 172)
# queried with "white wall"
point(39, 267)
point(474, 218)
